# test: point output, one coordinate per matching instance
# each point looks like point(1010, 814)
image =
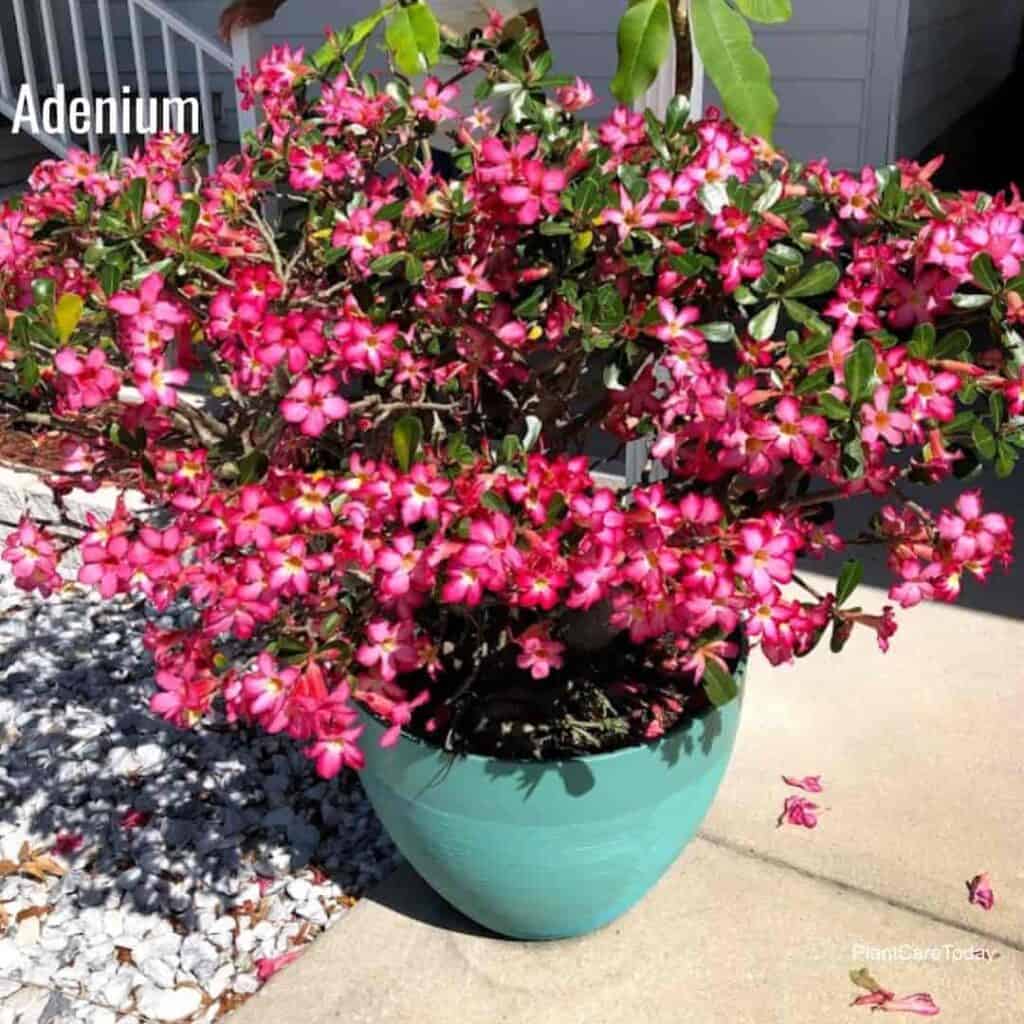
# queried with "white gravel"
point(233, 853)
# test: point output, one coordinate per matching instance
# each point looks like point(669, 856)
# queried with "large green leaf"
point(406, 438)
point(735, 65)
point(645, 33)
point(770, 11)
point(414, 37)
point(67, 314)
point(719, 685)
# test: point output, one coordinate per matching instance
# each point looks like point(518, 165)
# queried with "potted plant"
point(380, 528)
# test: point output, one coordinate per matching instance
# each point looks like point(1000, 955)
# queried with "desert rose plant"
point(361, 399)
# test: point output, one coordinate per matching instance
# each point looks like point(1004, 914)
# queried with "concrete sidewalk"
point(922, 753)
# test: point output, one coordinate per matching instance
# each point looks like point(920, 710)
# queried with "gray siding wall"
point(957, 52)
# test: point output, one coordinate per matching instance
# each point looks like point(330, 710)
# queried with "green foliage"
point(644, 37)
point(738, 69)
point(414, 38)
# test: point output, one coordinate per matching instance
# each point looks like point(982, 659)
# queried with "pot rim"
point(739, 674)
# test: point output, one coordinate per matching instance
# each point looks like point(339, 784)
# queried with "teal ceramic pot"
point(547, 850)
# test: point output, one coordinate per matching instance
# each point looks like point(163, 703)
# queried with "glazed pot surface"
point(545, 850)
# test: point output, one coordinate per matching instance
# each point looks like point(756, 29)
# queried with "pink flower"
point(313, 404)
point(86, 383)
point(575, 97)
point(540, 654)
point(337, 750)
point(881, 422)
point(764, 559)
point(33, 557)
point(631, 216)
point(539, 193)
point(156, 383)
point(798, 810)
point(419, 493)
point(810, 783)
point(389, 648)
point(433, 104)
point(471, 277)
point(979, 892)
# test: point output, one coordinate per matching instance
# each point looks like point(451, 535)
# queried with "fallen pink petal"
point(268, 966)
point(920, 1003)
point(879, 998)
point(810, 783)
point(67, 844)
point(798, 810)
point(134, 819)
point(979, 892)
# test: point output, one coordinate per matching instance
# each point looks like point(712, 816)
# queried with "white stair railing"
point(39, 36)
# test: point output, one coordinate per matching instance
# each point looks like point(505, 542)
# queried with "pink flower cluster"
point(389, 476)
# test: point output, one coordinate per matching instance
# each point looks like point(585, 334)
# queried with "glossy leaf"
point(768, 11)
point(406, 439)
point(763, 325)
point(644, 36)
point(735, 65)
point(821, 278)
point(719, 685)
point(67, 315)
point(859, 369)
point(849, 579)
point(414, 38)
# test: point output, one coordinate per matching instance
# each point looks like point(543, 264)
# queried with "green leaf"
point(720, 332)
point(252, 466)
point(384, 264)
point(841, 630)
point(984, 441)
point(533, 429)
point(189, 219)
point(763, 325)
point(849, 579)
point(858, 370)
point(964, 301)
point(677, 114)
point(110, 278)
point(735, 65)
point(768, 11)
point(785, 255)
point(821, 278)
point(953, 344)
point(1006, 458)
point(28, 371)
point(833, 408)
point(985, 274)
point(414, 37)
point(68, 313)
point(494, 501)
point(852, 459)
point(43, 291)
point(645, 32)
point(210, 260)
point(406, 439)
point(922, 342)
point(134, 196)
point(997, 409)
point(719, 685)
